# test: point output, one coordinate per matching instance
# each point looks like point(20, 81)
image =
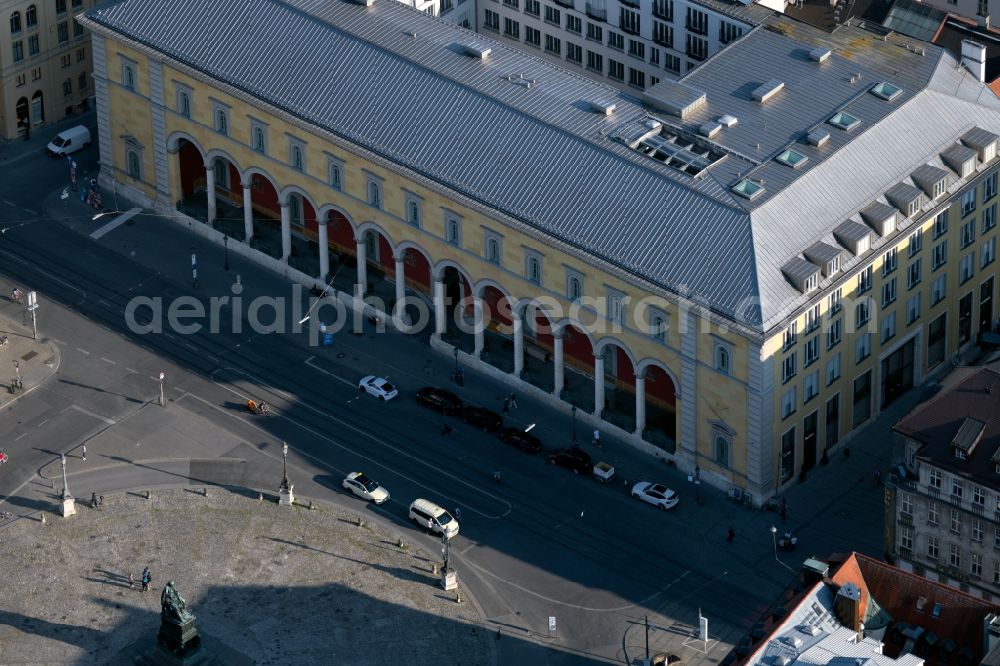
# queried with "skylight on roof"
point(886, 91)
point(688, 154)
point(844, 120)
point(748, 189)
point(792, 158)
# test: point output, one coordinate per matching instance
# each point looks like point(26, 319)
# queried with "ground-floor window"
point(832, 421)
point(935, 340)
point(787, 455)
point(965, 319)
point(862, 398)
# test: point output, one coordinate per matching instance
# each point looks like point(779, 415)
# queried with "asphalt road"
point(542, 543)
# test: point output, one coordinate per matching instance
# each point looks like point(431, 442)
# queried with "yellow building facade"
point(722, 393)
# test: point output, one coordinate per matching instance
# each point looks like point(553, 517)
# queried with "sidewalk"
point(34, 361)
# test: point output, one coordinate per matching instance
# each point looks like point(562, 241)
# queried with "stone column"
point(479, 326)
point(361, 282)
point(286, 231)
point(640, 403)
point(440, 317)
point(247, 212)
point(324, 251)
point(400, 280)
point(518, 326)
point(210, 189)
point(557, 360)
point(598, 385)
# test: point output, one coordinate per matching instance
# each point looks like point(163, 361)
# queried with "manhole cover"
point(341, 355)
point(30, 355)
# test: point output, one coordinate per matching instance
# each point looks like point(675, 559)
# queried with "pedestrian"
point(506, 406)
point(458, 513)
point(93, 500)
point(513, 400)
point(84, 451)
point(597, 438)
point(730, 534)
point(131, 582)
point(878, 478)
point(147, 578)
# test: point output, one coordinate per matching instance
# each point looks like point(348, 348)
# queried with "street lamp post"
point(572, 410)
point(458, 371)
point(285, 495)
point(774, 543)
point(68, 503)
point(225, 244)
point(697, 484)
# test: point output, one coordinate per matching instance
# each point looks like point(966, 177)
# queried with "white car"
point(656, 494)
point(366, 488)
point(378, 387)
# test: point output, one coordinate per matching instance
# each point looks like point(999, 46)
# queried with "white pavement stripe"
point(108, 360)
point(18, 438)
point(9, 203)
point(309, 362)
point(115, 223)
point(93, 415)
point(134, 372)
point(33, 212)
point(59, 342)
point(83, 351)
point(43, 423)
point(191, 346)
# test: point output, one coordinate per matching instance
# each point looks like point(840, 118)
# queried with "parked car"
point(573, 458)
point(378, 387)
point(366, 488)
point(440, 399)
point(522, 440)
point(429, 515)
point(479, 417)
point(656, 494)
point(69, 141)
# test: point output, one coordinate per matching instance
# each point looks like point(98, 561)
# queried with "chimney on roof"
point(974, 59)
point(848, 606)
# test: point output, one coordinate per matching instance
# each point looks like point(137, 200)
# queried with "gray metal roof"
point(398, 83)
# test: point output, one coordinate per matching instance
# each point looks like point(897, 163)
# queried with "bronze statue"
point(173, 603)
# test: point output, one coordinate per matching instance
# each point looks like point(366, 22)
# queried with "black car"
point(443, 401)
point(574, 459)
point(522, 440)
point(479, 417)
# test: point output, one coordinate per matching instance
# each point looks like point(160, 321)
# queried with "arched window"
point(128, 77)
point(453, 231)
point(221, 168)
point(493, 250)
point(134, 165)
point(335, 176)
point(258, 139)
point(413, 213)
point(575, 290)
point(297, 158)
point(184, 104)
point(31, 16)
point(221, 122)
point(534, 270)
point(721, 450)
point(373, 194)
point(15, 23)
point(722, 359)
point(295, 210)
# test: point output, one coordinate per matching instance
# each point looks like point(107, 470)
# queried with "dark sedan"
point(574, 459)
point(522, 440)
point(479, 417)
point(443, 401)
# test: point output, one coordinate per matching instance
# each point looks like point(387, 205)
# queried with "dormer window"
point(959, 453)
point(812, 282)
point(939, 188)
point(886, 91)
point(748, 189)
point(802, 273)
point(844, 121)
point(791, 158)
point(961, 159)
point(833, 266)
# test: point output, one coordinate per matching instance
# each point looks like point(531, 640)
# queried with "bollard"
point(149, 495)
point(311, 507)
point(43, 519)
point(434, 569)
point(400, 544)
point(100, 502)
point(204, 492)
point(361, 521)
point(458, 596)
point(260, 497)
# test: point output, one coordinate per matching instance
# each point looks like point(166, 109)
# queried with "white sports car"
point(366, 488)
point(656, 494)
point(378, 387)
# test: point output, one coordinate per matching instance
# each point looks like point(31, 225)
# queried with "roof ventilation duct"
point(478, 51)
point(819, 54)
point(728, 120)
point(603, 107)
point(767, 91)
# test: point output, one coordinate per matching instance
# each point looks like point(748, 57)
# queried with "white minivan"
point(69, 141)
point(429, 515)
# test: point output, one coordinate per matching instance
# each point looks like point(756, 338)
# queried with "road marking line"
point(115, 223)
point(20, 436)
point(93, 415)
point(104, 302)
point(191, 346)
point(108, 360)
point(83, 351)
point(59, 342)
point(31, 211)
point(43, 423)
point(309, 362)
point(134, 372)
point(8, 202)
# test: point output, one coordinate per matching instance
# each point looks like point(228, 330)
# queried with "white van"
point(429, 515)
point(69, 141)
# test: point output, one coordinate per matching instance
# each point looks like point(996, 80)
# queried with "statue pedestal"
point(178, 642)
point(286, 496)
point(68, 507)
point(449, 579)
